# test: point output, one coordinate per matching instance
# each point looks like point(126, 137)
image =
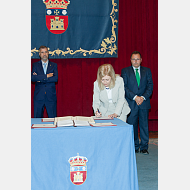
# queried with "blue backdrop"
point(75, 29)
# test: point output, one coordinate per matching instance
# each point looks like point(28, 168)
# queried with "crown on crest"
point(56, 3)
point(78, 160)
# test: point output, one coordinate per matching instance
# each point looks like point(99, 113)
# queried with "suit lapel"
point(133, 76)
point(114, 91)
point(49, 67)
point(142, 74)
point(104, 95)
point(40, 67)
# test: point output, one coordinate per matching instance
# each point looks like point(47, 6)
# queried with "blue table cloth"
point(83, 158)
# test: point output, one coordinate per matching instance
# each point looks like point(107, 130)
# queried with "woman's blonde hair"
point(103, 70)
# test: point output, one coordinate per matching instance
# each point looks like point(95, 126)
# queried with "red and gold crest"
point(56, 15)
point(78, 169)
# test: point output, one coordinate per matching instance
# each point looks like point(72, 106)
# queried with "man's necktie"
point(137, 77)
point(44, 67)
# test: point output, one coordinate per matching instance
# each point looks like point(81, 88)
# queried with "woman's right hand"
point(97, 114)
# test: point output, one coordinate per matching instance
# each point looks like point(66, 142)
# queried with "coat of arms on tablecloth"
point(78, 169)
point(56, 15)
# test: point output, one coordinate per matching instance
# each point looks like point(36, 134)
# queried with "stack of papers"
point(101, 118)
point(73, 121)
point(102, 124)
point(81, 123)
point(48, 119)
point(43, 126)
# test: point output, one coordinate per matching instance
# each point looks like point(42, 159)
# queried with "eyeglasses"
point(135, 59)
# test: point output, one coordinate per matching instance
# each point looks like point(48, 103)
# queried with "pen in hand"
point(98, 113)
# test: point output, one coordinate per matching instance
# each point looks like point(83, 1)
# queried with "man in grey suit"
point(138, 89)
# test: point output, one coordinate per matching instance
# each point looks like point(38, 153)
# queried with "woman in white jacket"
point(109, 95)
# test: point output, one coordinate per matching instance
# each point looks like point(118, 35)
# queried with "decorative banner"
point(75, 28)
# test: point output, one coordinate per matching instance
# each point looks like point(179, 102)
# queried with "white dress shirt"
point(134, 68)
point(46, 64)
point(109, 93)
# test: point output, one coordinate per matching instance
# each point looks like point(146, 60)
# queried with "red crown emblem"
point(78, 160)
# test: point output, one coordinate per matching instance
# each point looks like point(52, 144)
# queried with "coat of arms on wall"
point(56, 15)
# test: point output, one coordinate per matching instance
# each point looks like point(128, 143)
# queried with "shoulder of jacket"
point(36, 63)
point(124, 68)
point(127, 68)
point(118, 78)
point(96, 83)
point(146, 68)
point(52, 63)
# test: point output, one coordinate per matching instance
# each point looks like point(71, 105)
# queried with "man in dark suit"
point(138, 89)
point(44, 74)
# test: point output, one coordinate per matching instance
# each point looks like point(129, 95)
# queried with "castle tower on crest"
point(78, 177)
point(57, 24)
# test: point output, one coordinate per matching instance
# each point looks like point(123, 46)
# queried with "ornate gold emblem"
point(56, 4)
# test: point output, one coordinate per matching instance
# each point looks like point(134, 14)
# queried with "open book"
point(48, 119)
point(65, 123)
point(43, 126)
point(101, 118)
point(75, 119)
point(102, 124)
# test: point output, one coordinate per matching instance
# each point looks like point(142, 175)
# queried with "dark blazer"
point(44, 86)
point(131, 87)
